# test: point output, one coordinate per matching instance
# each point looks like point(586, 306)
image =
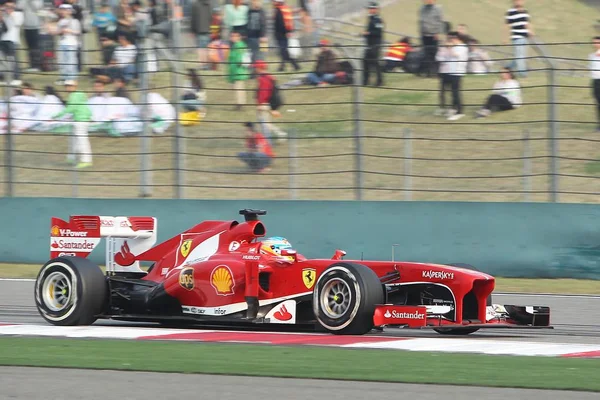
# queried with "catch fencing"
point(344, 142)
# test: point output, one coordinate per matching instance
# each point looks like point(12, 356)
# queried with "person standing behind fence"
point(459, 58)
point(77, 106)
point(31, 26)
point(238, 68)
point(10, 39)
point(235, 17)
point(68, 30)
point(518, 23)
point(200, 19)
point(595, 74)
point(374, 38)
point(284, 26)
point(264, 96)
point(257, 30)
point(431, 26)
point(443, 59)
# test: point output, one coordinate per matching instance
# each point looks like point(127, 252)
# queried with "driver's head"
point(272, 247)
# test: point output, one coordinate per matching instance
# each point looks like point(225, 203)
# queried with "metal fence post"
point(527, 166)
point(292, 164)
point(358, 129)
point(9, 144)
point(553, 128)
point(145, 161)
point(407, 165)
point(178, 146)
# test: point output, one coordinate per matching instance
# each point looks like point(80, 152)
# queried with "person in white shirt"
point(442, 57)
point(506, 95)
point(68, 30)
point(458, 60)
point(11, 38)
point(124, 58)
point(595, 75)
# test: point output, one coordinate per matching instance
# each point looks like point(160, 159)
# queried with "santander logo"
point(282, 314)
point(403, 315)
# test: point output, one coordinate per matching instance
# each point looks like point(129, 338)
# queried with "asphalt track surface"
point(576, 318)
point(91, 385)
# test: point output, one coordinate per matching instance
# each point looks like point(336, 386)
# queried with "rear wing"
point(126, 238)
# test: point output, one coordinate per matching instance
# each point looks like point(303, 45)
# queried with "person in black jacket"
point(374, 38)
point(283, 31)
point(256, 29)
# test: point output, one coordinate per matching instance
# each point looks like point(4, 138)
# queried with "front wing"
point(433, 317)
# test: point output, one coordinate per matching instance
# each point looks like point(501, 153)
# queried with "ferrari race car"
point(219, 272)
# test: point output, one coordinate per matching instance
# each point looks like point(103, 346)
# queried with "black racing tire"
point(462, 331)
point(345, 297)
point(70, 291)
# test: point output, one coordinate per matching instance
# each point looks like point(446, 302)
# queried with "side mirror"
point(289, 253)
point(339, 254)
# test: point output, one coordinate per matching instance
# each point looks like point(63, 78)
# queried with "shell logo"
point(221, 279)
point(55, 231)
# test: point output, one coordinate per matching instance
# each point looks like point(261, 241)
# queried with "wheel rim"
point(57, 291)
point(336, 298)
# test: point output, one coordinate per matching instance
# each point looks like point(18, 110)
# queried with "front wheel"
point(345, 297)
point(70, 291)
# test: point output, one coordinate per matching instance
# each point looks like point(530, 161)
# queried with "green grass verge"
point(561, 286)
point(304, 362)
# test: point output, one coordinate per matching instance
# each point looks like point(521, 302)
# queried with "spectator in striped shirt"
point(518, 23)
point(595, 75)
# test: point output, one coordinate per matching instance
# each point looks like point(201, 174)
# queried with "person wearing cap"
point(68, 30)
point(77, 106)
point(374, 38)
point(259, 155)
point(326, 66)
point(264, 93)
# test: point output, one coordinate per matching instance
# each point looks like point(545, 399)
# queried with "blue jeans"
point(519, 64)
point(254, 46)
point(67, 61)
point(203, 40)
point(315, 79)
point(255, 161)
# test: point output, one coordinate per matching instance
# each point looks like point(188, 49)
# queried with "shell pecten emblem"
point(222, 280)
point(55, 231)
point(185, 248)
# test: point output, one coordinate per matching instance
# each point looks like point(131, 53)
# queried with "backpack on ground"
point(276, 100)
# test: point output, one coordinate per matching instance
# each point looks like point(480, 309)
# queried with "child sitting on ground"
point(260, 154)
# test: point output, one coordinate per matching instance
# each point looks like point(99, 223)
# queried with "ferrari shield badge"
point(185, 248)
point(308, 277)
point(186, 278)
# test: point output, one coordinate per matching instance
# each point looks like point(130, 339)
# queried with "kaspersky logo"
point(403, 315)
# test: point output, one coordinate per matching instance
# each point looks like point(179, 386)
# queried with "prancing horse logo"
point(308, 277)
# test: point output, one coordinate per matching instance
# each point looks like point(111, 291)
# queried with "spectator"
point(31, 26)
point(105, 23)
point(200, 20)
point(11, 38)
point(443, 58)
point(194, 94)
point(519, 30)
point(257, 30)
point(374, 38)
point(479, 59)
point(259, 155)
point(317, 13)
point(122, 64)
point(326, 67)
point(238, 63)
point(431, 26)
point(459, 57)
point(126, 20)
point(463, 31)
point(159, 33)
point(216, 25)
point(264, 95)
point(236, 17)
point(80, 143)
point(284, 27)
point(396, 53)
point(506, 95)
point(78, 15)
point(68, 30)
point(595, 75)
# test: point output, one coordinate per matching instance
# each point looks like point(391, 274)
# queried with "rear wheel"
point(70, 291)
point(467, 330)
point(345, 297)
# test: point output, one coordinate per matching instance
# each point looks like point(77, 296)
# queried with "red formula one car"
point(217, 272)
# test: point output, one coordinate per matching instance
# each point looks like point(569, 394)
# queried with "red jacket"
point(265, 88)
point(259, 144)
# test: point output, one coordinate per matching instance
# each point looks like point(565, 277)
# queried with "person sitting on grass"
point(506, 95)
point(260, 154)
point(326, 67)
point(396, 54)
point(122, 64)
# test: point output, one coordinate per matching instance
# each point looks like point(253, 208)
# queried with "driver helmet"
point(272, 247)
